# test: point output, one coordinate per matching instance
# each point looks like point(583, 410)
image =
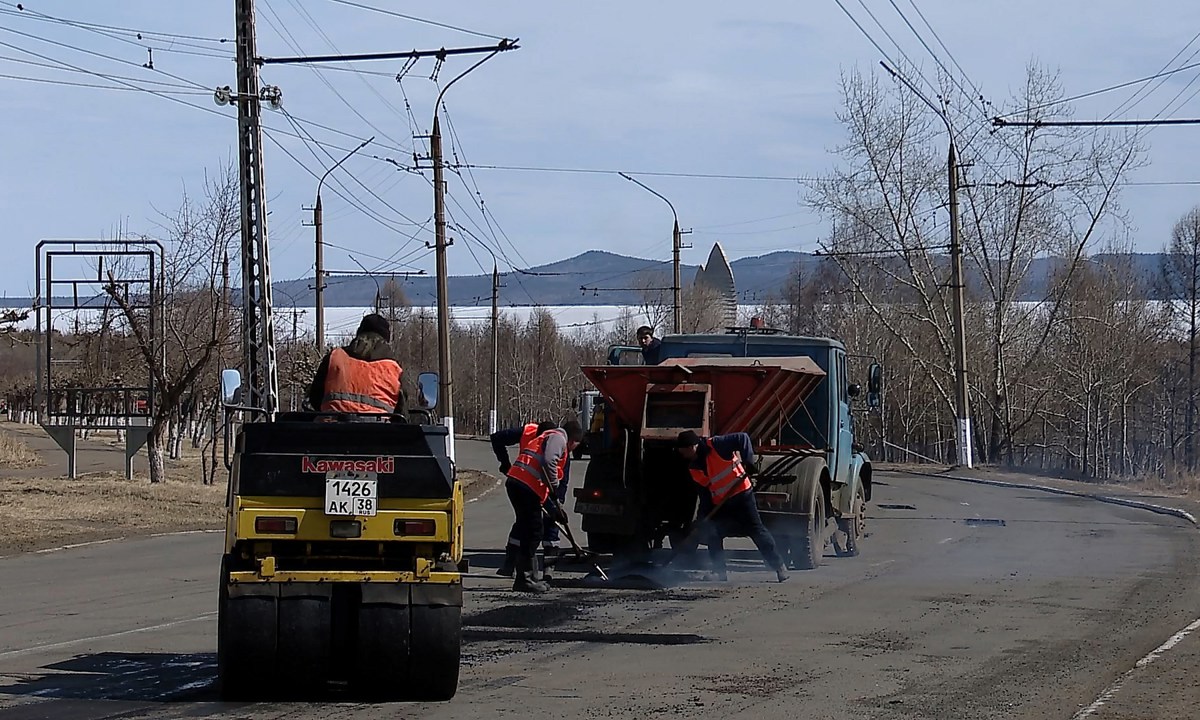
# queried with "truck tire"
point(806, 544)
point(436, 652)
point(606, 543)
point(851, 529)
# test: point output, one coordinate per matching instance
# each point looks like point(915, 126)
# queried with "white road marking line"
point(1157, 652)
point(485, 492)
point(67, 643)
point(943, 541)
point(76, 545)
point(184, 532)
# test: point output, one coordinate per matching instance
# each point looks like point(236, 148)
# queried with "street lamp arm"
point(458, 77)
point(647, 188)
point(361, 145)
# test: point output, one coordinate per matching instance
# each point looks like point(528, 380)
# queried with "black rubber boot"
point(782, 573)
point(527, 580)
point(509, 565)
point(550, 555)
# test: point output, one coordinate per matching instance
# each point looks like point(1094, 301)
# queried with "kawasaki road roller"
point(343, 559)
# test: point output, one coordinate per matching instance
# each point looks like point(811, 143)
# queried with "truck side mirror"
point(427, 390)
point(231, 386)
point(874, 384)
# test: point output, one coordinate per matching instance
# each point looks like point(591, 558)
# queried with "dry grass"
point(15, 453)
point(45, 512)
point(37, 513)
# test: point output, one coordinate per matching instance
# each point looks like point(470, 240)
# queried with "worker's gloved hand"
point(505, 467)
point(752, 469)
point(560, 514)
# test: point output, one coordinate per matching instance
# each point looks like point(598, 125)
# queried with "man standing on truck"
point(721, 465)
point(535, 474)
point(363, 376)
point(521, 436)
point(650, 345)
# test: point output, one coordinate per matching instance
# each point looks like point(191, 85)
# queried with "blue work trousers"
point(737, 517)
point(549, 527)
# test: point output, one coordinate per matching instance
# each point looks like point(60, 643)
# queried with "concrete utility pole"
point(446, 391)
point(495, 348)
point(962, 419)
point(445, 397)
point(676, 246)
point(962, 399)
point(261, 387)
point(320, 266)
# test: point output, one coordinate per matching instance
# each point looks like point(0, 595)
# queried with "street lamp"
point(320, 266)
point(676, 245)
point(445, 394)
point(962, 400)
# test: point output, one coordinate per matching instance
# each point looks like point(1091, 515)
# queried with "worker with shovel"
point(521, 437)
point(533, 477)
point(719, 465)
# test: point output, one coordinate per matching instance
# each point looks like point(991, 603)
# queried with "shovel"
point(579, 552)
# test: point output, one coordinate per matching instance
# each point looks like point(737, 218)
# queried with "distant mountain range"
point(612, 279)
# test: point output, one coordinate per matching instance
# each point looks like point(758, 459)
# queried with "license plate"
point(598, 509)
point(351, 493)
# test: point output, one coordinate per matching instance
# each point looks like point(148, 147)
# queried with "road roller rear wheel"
point(436, 651)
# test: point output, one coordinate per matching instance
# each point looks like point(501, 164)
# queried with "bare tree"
point(1051, 194)
point(195, 322)
point(1181, 276)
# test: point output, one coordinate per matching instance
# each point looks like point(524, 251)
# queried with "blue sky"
point(669, 86)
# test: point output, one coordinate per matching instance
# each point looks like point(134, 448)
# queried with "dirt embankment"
point(41, 508)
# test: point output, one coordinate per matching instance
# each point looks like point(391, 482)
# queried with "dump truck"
point(343, 555)
point(791, 394)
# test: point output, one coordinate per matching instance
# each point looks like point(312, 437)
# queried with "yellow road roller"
point(343, 555)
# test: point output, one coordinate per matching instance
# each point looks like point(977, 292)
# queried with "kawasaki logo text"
point(382, 465)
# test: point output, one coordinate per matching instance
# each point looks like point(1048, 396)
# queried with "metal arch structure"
point(62, 411)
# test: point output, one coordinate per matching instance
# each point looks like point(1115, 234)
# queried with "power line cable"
point(307, 16)
point(413, 18)
point(604, 171)
point(25, 10)
point(59, 66)
point(294, 44)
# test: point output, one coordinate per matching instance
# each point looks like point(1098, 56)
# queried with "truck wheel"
point(851, 529)
point(606, 543)
point(806, 545)
point(381, 658)
point(247, 632)
point(436, 651)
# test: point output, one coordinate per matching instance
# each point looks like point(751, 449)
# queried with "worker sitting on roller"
point(719, 465)
point(521, 436)
point(534, 475)
point(363, 377)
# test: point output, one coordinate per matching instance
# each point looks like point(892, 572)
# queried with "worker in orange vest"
point(534, 475)
point(521, 437)
point(722, 466)
point(363, 377)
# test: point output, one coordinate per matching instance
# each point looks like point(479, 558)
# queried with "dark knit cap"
point(377, 324)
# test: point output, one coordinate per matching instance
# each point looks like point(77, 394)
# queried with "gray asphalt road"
point(947, 614)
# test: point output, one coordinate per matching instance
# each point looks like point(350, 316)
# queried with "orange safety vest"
point(723, 478)
point(528, 434)
point(360, 386)
point(529, 466)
